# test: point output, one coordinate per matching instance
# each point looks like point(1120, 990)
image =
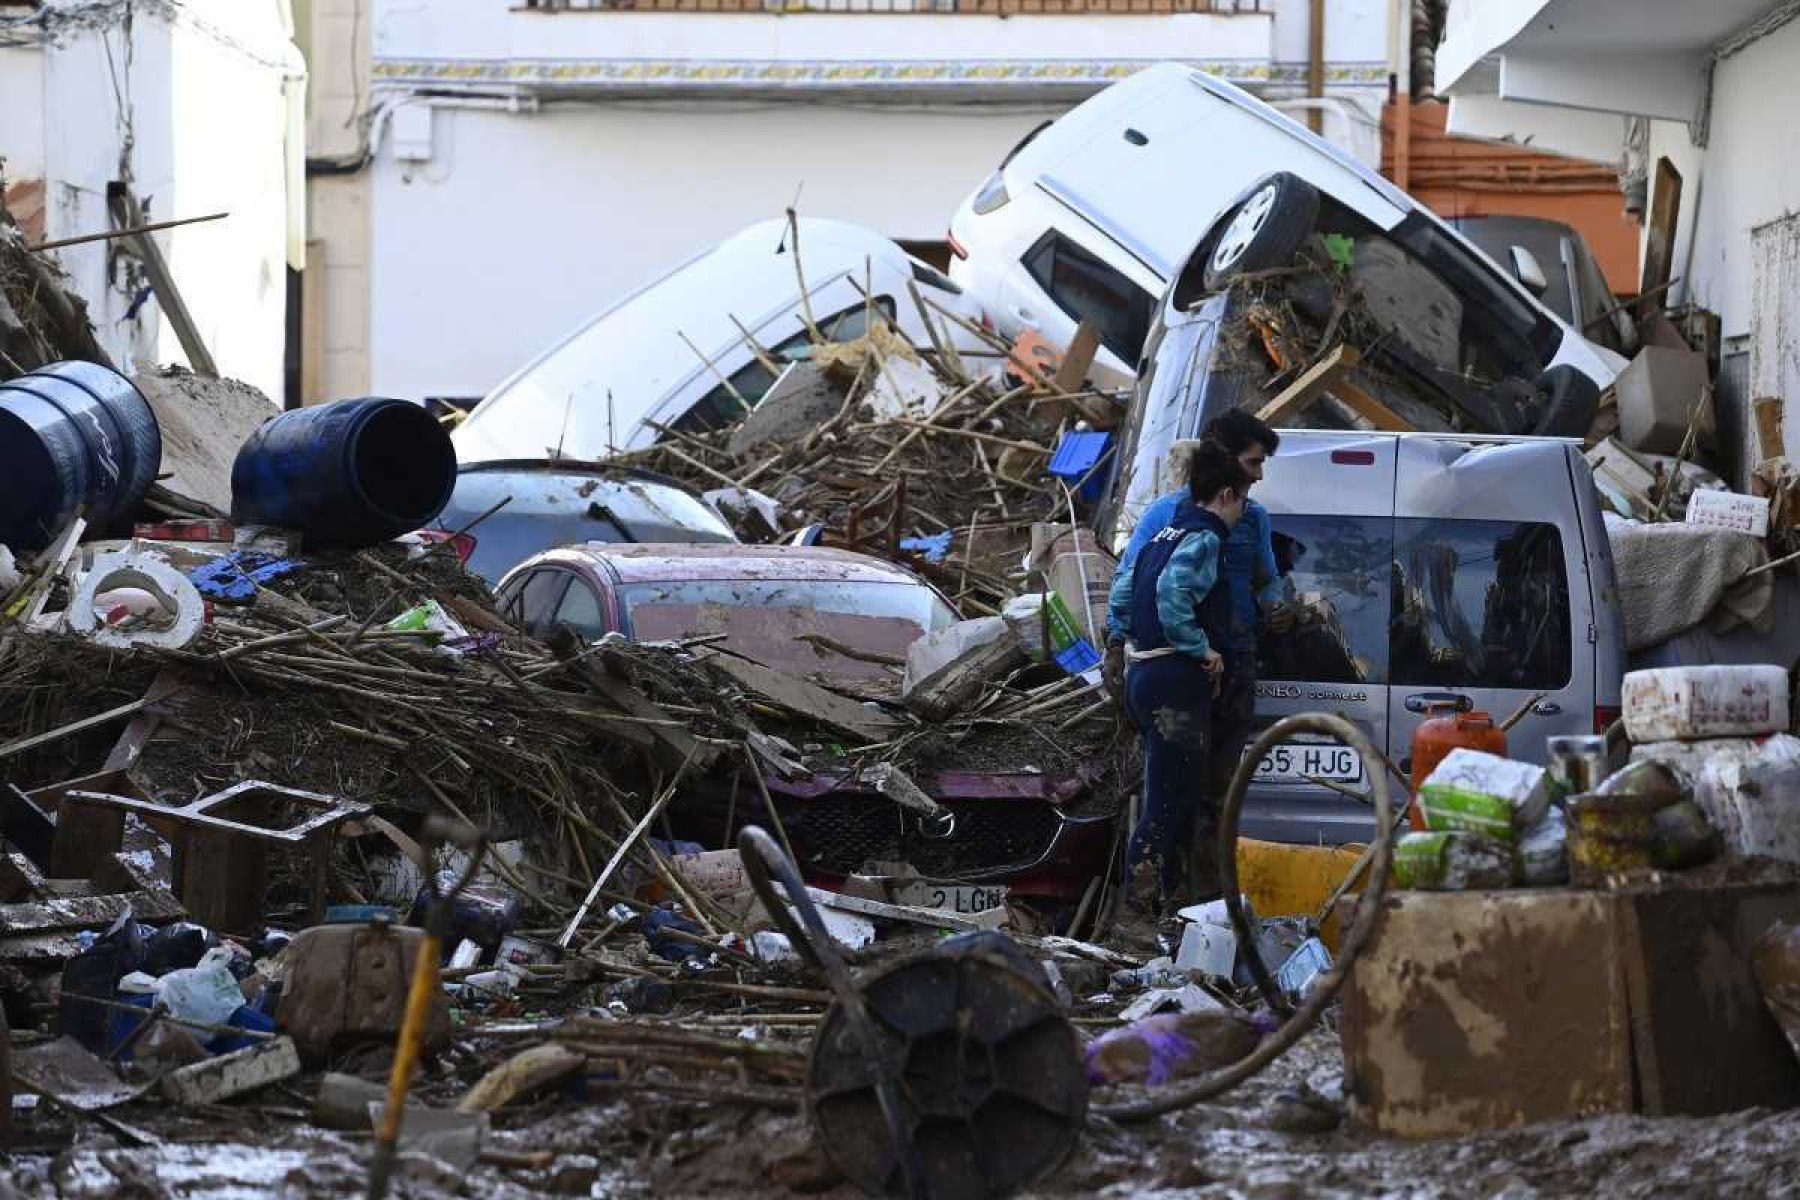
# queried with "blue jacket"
point(1172, 595)
point(1249, 564)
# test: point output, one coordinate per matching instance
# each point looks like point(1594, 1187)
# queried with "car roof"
point(642, 562)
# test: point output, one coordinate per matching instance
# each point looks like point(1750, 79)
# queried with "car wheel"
point(1264, 230)
point(1570, 401)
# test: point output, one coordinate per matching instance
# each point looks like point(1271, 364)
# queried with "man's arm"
point(1191, 573)
point(1266, 579)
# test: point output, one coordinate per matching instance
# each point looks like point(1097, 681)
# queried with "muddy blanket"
point(1674, 577)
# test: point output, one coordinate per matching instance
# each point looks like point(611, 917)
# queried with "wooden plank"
point(808, 700)
point(129, 214)
point(312, 324)
point(1659, 245)
point(86, 912)
point(112, 714)
point(674, 744)
point(1314, 382)
point(1072, 372)
point(1369, 408)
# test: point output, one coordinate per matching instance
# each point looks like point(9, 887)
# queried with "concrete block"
point(233, 1074)
point(1657, 394)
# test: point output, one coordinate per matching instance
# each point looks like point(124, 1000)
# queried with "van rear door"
point(1491, 600)
point(1330, 499)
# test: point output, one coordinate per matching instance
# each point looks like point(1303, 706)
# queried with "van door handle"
point(1024, 317)
point(1546, 708)
point(1422, 701)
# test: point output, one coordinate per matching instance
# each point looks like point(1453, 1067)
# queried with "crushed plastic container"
point(1691, 703)
point(1749, 789)
point(1483, 793)
point(1541, 859)
point(1451, 861)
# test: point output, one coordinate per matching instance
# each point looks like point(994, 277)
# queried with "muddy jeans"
point(1170, 700)
point(1233, 724)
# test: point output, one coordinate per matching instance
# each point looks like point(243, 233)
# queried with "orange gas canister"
point(1443, 730)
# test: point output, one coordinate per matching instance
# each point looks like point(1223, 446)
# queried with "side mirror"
point(1529, 271)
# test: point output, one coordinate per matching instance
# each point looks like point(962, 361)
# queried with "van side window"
point(1088, 290)
point(1338, 571)
point(1480, 604)
point(719, 408)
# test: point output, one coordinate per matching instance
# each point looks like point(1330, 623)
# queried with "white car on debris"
point(1093, 216)
point(675, 354)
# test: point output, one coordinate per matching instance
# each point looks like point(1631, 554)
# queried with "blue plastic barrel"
point(352, 473)
point(74, 437)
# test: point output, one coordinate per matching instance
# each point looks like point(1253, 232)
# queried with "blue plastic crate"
point(1076, 457)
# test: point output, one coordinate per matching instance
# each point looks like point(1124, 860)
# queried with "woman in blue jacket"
point(1174, 608)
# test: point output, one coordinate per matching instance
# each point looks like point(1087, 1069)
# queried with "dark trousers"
point(1170, 700)
point(1233, 723)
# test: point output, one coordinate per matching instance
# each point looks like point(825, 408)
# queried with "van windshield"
point(1422, 602)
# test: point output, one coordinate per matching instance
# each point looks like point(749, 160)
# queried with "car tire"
point(1264, 230)
point(1571, 400)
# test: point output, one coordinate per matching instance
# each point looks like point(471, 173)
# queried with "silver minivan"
point(1427, 568)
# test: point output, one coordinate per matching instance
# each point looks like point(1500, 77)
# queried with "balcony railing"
point(978, 7)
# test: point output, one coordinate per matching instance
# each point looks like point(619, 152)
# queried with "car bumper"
point(1015, 830)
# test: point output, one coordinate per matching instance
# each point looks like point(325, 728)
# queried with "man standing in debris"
point(1250, 571)
point(1172, 603)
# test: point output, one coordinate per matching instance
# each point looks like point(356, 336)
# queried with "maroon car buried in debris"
point(1011, 822)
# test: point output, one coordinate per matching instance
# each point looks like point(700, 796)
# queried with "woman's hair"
point(1213, 469)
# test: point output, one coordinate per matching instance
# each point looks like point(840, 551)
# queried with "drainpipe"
point(1401, 15)
point(1315, 66)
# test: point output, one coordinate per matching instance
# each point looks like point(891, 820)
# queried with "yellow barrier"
point(1294, 881)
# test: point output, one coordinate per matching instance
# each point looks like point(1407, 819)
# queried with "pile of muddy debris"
point(920, 455)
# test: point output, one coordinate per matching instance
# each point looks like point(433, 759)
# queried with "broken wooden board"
point(806, 699)
point(652, 726)
point(1072, 372)
point(58, 913)
point(1331, 376)
point(1314, 382)
point(1369, 408)
point(215, 1080)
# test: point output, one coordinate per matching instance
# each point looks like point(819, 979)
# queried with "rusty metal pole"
point(1315, 66)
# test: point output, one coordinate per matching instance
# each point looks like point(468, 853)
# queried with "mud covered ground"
point(644, 1146)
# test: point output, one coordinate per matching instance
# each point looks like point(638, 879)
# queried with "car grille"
point(839, 833)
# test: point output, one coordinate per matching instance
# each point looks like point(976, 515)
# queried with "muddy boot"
point(1143, 890)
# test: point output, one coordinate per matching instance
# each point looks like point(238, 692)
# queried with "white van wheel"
point(1264, 230)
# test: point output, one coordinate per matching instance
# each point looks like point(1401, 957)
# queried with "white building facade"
point(193, 107)
point(505, 171)
point(1712, 88)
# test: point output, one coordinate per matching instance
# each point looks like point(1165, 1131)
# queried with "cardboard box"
point(1729, 510)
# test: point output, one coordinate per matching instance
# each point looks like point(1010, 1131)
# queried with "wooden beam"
point(129, 215)
point(1072, 372)
point(1659, 246)
point(312, 324)
point(1314, 382)
point(1369, 408)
